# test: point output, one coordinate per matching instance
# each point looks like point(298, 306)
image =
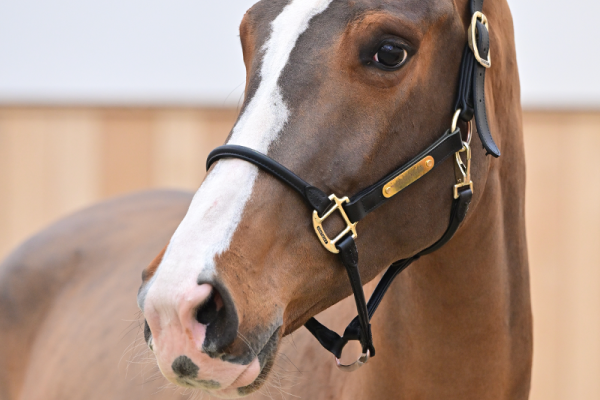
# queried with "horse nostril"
point(219, 315)
point(209, 310)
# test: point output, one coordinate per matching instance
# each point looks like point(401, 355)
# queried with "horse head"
point(341, 92)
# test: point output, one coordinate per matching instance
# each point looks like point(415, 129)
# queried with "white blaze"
point(217, 207)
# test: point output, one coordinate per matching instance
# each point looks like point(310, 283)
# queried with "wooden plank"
point(563, 221)
point(182, 140)
point(580, 234)
point(49, 168)
point(126, 151)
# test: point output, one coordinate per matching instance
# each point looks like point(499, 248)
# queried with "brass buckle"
point(362, 360)
point(318, 224)
point(473, 38)
point(462, 171)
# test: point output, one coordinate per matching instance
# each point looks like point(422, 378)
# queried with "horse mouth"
point(199, 384)
point(266, 358)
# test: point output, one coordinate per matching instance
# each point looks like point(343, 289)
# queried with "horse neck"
point(461, 316)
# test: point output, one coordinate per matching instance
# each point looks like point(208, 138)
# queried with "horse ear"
point(247, 40)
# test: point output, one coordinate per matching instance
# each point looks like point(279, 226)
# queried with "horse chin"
point(251, 379)
point(243, 391)
point(266, 358)
point(262, 377)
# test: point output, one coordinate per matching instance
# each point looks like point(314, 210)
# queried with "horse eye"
point(390, 56)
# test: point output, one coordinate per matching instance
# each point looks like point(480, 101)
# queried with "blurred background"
point(101, 98)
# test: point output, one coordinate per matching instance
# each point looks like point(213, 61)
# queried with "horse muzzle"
point(194, 336)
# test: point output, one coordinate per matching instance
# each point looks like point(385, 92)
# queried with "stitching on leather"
point(491, 145)
point(316, 199)
point(480, 110)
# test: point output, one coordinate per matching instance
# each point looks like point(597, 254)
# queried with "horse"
point(341, 93)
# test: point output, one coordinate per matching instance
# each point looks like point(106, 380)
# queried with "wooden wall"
point(56, 160)
point(563, 226)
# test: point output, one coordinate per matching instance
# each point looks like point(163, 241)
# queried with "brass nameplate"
point(409, 176)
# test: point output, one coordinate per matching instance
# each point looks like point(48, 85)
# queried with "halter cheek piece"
point(470, 102)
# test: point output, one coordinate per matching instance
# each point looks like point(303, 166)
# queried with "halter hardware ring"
point(472, 37)
point(469, 132)
point(328, 243)
point(462, 171)
point(455, 125)
point(455, 120)
point(362, 360)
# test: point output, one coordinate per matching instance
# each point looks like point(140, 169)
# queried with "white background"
point(187, 52)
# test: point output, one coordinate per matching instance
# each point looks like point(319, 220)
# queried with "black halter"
point(470, 102)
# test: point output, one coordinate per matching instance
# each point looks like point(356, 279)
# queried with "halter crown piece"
point(470, 103)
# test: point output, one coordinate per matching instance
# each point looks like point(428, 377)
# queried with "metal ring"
point(362, 360)
point(455, 124)
point(469, 132)
point(455, 120)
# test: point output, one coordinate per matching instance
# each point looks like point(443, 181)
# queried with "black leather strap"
point(314, 196)
point(349, 257)
point(464, 99)
point(471, 85)
point(476, 5)
point(360, 328)
point(458, 213)
point(335, 343)
point(483, 44)
point(362, 202)
point(369, 199)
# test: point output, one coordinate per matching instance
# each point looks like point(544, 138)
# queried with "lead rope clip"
point(462, 171)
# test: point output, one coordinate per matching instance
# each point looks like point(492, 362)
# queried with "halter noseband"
point(470, 103)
